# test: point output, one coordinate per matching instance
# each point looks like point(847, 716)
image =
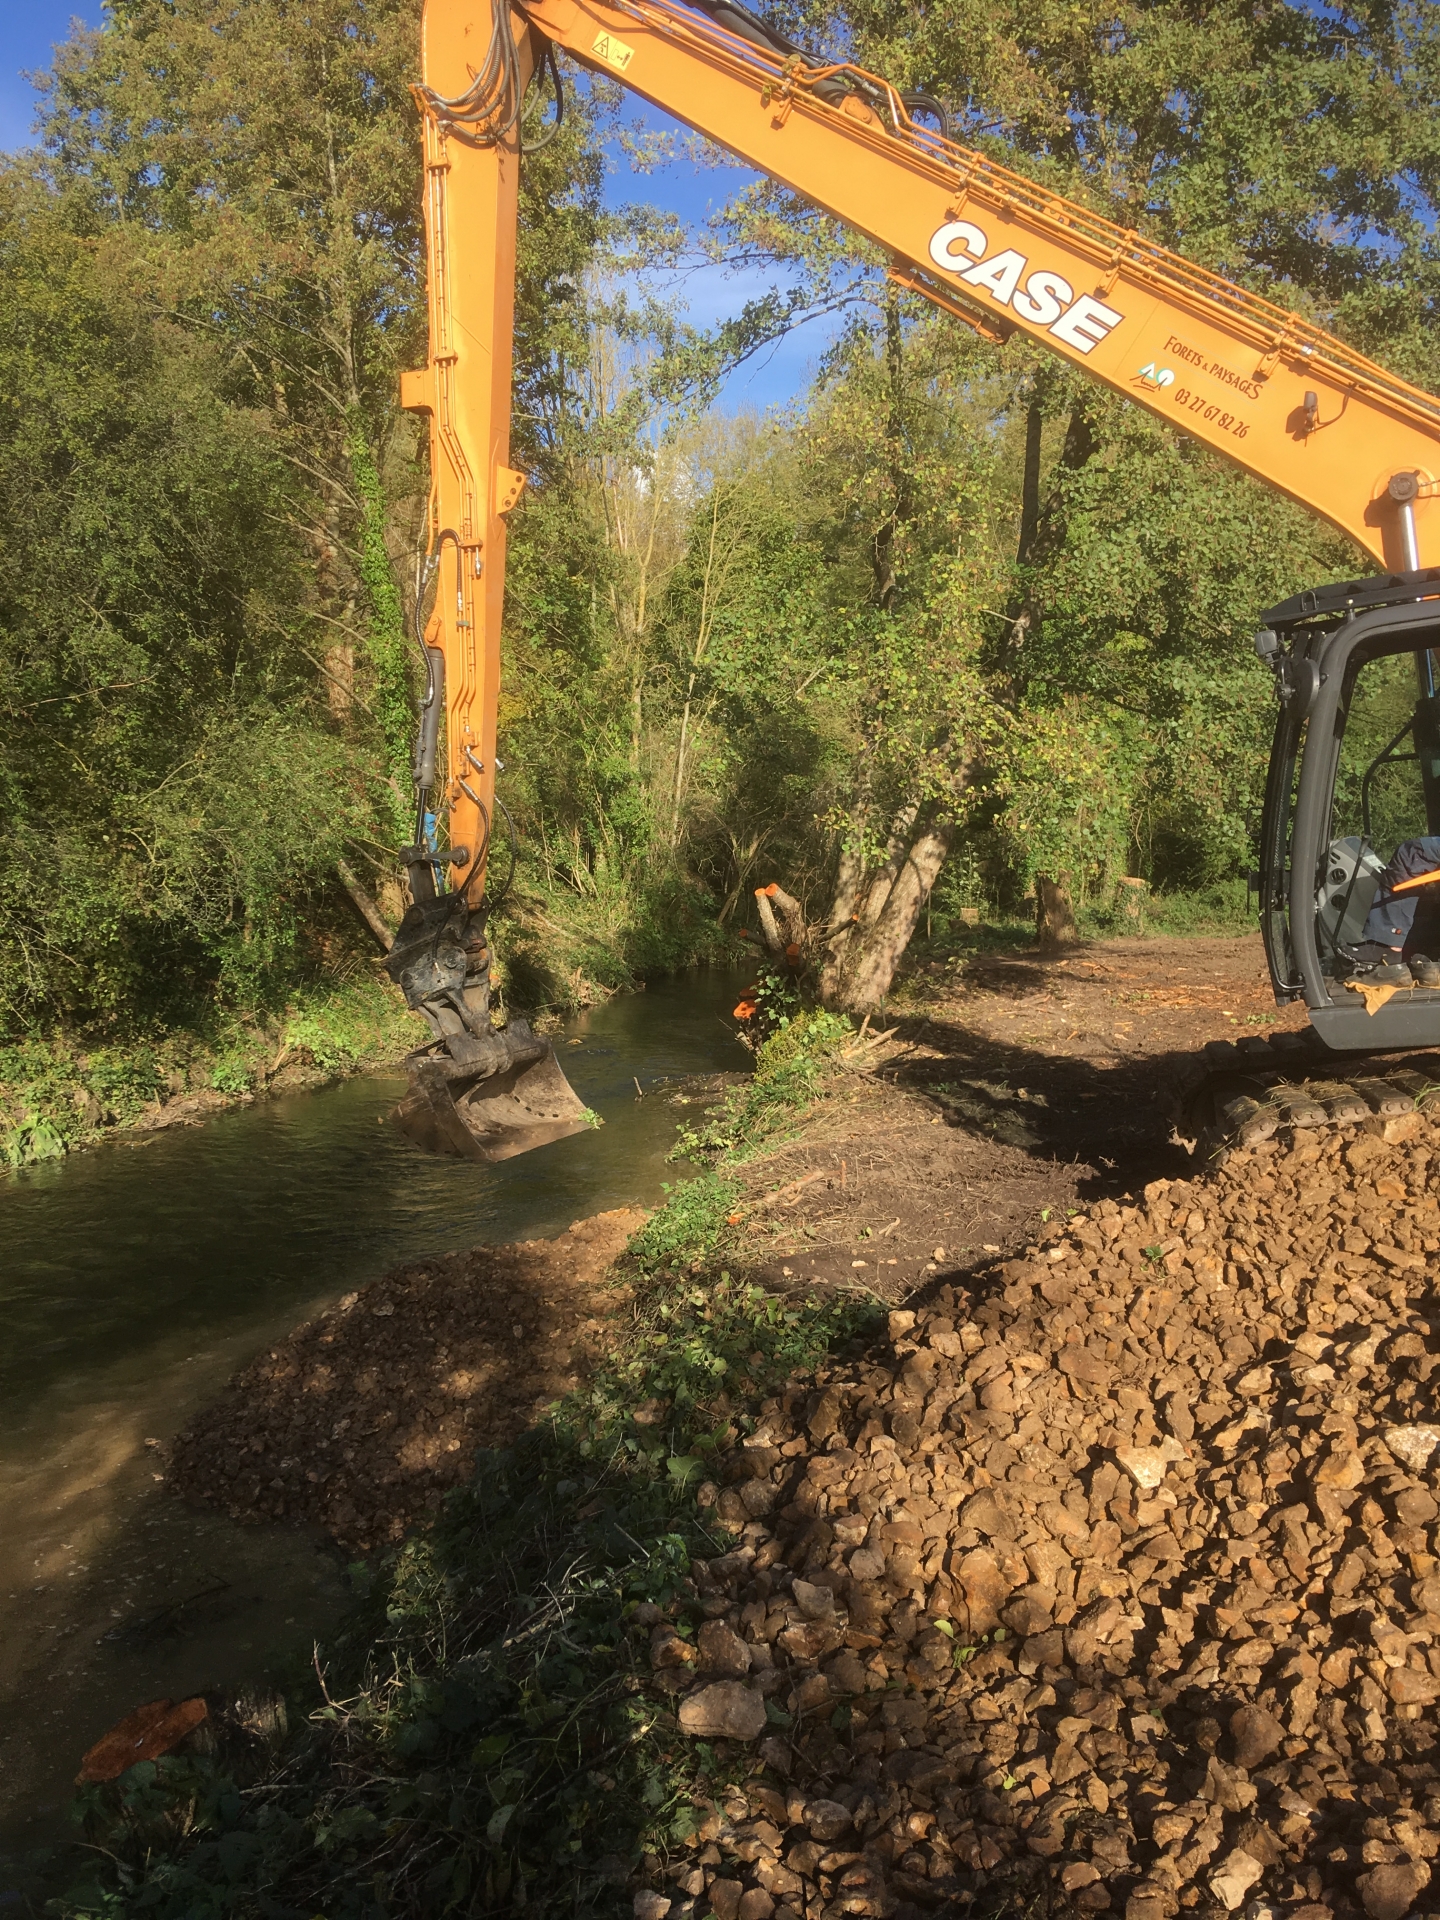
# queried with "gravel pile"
point(1115, 1584)
point(360, 1421)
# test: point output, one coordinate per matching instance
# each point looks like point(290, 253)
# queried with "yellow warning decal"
point(613, 52)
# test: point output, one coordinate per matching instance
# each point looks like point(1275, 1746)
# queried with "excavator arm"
point(1276, 395)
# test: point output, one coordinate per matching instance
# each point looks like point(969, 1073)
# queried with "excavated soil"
point(1005, 1089)
point(360, 1421)
point(1109, 1581)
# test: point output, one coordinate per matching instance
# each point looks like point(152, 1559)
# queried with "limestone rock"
point(1256, 1734)
point(722, 1650)
point(725, 1898)
point(1412, 1445)
point(984, 1587)
point(1147, 1466)
point(826, 1819)
point(1234, 1879)
point(726, 1710)
point(1390, 1891)
point(816, 1603)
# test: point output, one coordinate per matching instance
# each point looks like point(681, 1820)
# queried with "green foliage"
point(391, 703)
point(53, 1091)
point(689, 1226)
point(788, 1069)
point(34, 1139)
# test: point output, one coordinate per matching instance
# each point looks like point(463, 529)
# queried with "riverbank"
point(138, 1279)
point(1085, 1577)
point(58, 1096)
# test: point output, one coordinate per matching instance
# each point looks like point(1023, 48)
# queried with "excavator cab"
point(1353, 794)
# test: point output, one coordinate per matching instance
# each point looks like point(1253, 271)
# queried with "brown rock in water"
point(1389, 1892)
point(725, 1710)
point(1256, 1734)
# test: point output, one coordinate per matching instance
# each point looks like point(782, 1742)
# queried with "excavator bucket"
point(476, 1092)
point(489, 1098)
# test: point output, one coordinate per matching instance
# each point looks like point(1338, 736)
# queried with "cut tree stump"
point(1054, 913)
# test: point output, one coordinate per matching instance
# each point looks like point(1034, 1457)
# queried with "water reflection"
point(145, 1246)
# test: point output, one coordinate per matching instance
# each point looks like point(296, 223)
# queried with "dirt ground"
point(1009, 1091)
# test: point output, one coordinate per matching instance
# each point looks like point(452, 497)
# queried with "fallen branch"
point(783, 1194)
point(365, 906)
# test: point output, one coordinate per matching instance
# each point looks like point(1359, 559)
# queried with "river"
point(136, 1278)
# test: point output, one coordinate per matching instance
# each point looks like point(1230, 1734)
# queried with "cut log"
point(771, 931)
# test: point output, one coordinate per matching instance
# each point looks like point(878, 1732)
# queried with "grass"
point(56, 1095)
point(1224, 909)
point(484, 1740)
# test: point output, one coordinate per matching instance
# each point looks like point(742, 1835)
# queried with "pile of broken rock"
point(1109, 1584)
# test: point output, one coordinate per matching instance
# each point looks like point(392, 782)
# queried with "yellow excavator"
point(1345, 866)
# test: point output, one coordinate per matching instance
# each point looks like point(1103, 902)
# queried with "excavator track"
point(1241, 1092)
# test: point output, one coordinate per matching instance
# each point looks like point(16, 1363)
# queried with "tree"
point(253, 173)
point(173, 785)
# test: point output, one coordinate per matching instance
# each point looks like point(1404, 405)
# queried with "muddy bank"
point(362, 1419)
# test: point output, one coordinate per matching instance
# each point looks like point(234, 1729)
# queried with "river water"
point(135, 1279)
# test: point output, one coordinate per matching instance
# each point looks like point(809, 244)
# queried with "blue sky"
point(710, 293)
point(30, 28)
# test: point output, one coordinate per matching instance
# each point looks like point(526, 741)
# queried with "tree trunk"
point(365, 907)
point(1054, 913)
point(1130, 898)
point(876, 951)
point(878, 892)
point(849, 881)
point(1030, 486)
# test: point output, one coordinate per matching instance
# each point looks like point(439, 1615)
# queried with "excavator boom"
point(1277, 395)
point(1273, 393)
